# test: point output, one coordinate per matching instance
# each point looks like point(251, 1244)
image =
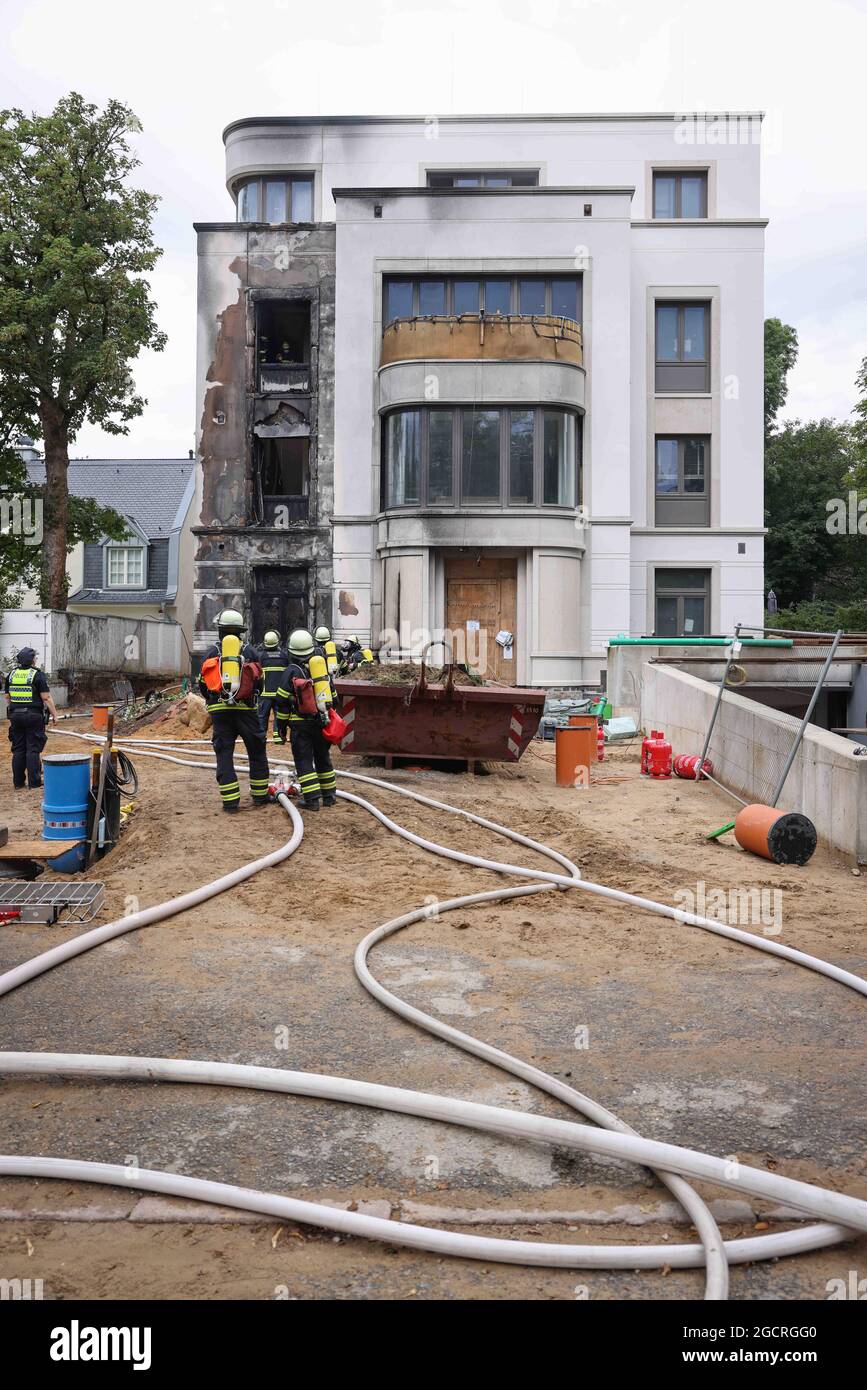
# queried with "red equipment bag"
point(251, 674)
point(305, 698)
point(336, 728)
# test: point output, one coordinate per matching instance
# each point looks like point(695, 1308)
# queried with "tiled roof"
point(147, 490)
point(115, 596)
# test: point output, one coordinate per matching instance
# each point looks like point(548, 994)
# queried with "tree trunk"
point(54, 586)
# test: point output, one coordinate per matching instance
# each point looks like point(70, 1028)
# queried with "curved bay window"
point(451, 456)
point(283, 198)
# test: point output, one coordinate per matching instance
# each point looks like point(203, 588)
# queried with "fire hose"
point(671, 1163)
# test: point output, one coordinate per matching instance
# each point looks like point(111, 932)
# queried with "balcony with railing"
point(284, 377)
point(497, 337)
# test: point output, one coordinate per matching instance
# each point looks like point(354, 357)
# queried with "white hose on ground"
point(796, 1240)
point(824, 1203)
point(353, 1223)
point(708, 1231)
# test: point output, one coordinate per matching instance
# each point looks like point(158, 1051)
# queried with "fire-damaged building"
point(484, 377)
point(265, 422)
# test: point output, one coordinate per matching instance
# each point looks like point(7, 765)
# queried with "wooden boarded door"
point(485, 592)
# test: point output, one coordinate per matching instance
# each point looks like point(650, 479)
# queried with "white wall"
point(827, 781)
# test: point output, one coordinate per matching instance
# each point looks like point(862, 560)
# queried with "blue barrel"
point(66, 778)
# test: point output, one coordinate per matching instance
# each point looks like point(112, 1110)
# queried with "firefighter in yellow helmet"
point(326, 642)
point(304, 698)
point(230, 681)
point(273, 659)
point(351, 654)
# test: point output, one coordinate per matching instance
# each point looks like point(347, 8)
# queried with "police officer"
point(30, 705)
point(303, 700)
point(234, 712)
point(274, 659)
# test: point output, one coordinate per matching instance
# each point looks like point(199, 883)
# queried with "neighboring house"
point(484, 372)
point(150, 573)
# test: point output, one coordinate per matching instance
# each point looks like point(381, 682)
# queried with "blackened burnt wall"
point(240, 266)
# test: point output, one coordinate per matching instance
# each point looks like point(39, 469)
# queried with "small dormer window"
point(125, 567)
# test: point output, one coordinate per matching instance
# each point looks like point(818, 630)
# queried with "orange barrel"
point(99, 718)
point(787, 837)
point(575, 750)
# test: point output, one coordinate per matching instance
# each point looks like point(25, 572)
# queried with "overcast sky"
point(187, 67)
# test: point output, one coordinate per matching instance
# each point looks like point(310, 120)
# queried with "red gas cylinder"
point(690, 765)
point(659, 756)
point(600, 743)
point(645, 744)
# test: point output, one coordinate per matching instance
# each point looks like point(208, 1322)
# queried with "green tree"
point(781, 354)
point(75, 310)
point(807, 467)
point(859, 427)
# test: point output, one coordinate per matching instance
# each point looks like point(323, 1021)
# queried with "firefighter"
point(303, 701)
point(230, 681)
point(352, 654)
point(329, 649)
point(30, 706)
point(274, 659)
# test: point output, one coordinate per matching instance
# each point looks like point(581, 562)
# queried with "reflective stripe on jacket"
point(21, 692)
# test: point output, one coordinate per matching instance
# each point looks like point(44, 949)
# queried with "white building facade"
point(548, 355)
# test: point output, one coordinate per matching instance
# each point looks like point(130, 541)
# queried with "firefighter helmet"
point(230, 619)
point(323, 634)
point(301, 643)
point(271, 639)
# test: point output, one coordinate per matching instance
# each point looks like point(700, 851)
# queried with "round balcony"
point(471, 337)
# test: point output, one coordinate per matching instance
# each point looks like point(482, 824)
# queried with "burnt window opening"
point(283, 479)
point(283, 345)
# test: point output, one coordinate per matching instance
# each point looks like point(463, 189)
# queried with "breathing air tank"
point(230, 665)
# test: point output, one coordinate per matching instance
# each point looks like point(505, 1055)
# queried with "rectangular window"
point(521, 431)
point(431, 297)
point(275, 200)
point(126, 566)
point(680, 195)
point(564, 299)
point(531, 297)
point(498, 296)
point(558, 459)
point(682, 602)
point(466, 296)
point(682, 480)
point(301, 198)
point(284, 466)
point(398, 300)
point(441, 486)
point(404, 458)
point(682, 347)
point(495, 178)
point(480, 455)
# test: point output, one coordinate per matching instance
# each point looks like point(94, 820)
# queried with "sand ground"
point(690, 1038)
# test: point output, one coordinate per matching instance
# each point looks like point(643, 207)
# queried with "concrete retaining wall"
point(827, 781)
point(80, 643)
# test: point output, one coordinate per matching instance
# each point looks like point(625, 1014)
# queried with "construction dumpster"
point(439, 719)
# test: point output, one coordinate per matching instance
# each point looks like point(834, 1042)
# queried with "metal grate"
point(45, 902)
